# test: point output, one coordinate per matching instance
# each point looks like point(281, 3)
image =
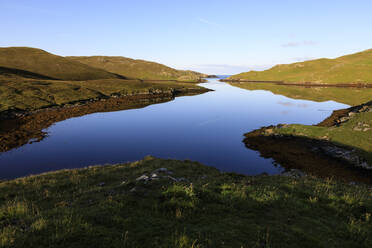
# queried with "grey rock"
point(143, 177)
point(295, 173)
point(348, 155)
point(172, 178)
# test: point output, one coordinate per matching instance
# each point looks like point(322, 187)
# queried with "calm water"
point(208, 128)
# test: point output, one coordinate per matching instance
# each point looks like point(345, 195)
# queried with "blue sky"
point(221, 36)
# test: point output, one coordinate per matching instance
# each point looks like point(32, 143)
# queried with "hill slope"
point(140, 69)
point(354, 68)
point(49, 65)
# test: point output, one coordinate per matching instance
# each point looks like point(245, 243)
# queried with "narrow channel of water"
point(207, 128)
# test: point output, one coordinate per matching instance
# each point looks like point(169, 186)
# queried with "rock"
point(346, 154)
point(101, 184)
point(282, 125)
point(143, 177)
point(269, 131)
point(133, 190)
point(161, 170)
point(295, 173)
point(344, 119)
point(357, 128)
point(172, 178)
point(366, 129)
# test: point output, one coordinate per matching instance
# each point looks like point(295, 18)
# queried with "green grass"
point(31, 94)
point(354, 68)
point(98, 207)
point(141, 69)
point(343, 135)
point(46, 64)
point(346, 95)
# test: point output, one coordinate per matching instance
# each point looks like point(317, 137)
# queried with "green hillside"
point(354, 68)
point(140, 69)
point(45, 64)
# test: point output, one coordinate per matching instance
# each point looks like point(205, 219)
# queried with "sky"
point(214, 37)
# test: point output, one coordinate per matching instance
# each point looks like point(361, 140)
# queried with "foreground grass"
point(350, 96)
point(108, 207)
point(30, 94)
point(354, 68)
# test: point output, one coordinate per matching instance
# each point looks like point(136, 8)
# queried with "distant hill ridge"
point(135, 68)
point(355, 68)
point(37, 61)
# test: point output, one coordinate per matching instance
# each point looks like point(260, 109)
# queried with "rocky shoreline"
point(320, 157)
point(18, 127)
point(306, 84)
point(151, 93)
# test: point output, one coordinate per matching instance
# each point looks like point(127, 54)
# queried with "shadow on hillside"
point(22, 73)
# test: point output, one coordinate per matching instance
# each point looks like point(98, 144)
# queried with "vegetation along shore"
point(339, 146)
point(38, 89)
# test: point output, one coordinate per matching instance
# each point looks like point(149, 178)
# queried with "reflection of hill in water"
point(350, 96)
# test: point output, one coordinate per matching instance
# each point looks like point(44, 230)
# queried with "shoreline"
point(21, 127)
point(306, 84)
point(321, 157)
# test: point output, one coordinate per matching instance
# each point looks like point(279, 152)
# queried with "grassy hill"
point(31, 60)
point(140, 69)
point(169, 203)
point(28, 94)
point(354, 68)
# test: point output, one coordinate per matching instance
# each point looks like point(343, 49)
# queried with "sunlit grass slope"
point(140, 69)
point(354, 68)
point(30, 94)
point(46, 64)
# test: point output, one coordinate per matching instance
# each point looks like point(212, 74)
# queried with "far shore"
point(306, 84)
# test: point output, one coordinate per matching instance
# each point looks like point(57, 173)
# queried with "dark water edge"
point(207, 128)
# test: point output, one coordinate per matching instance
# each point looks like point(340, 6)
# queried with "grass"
point(141, 69)
point(345, 134)
point(49, 65)
point(31, 94)
point(105, 206)
point(354, 68)
point(346, 95)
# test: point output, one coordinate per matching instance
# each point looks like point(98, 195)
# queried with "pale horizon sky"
point(215, 37)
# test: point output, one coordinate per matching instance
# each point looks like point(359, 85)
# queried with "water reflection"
point(208, 128)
